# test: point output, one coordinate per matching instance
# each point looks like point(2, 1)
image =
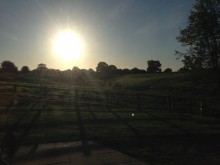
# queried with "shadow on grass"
point(15, 126)
point(92, 113)
point(11, 144)
point(125, 123)
point(28, 129)
point(83, 138)
point(187, 132)
point(33, 149)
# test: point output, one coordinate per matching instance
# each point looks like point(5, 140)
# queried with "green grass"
point(149, 80)
point(154, 134)
point(161, 141)
point(166, 84)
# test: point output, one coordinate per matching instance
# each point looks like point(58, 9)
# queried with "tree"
point(153, 66)
point(41, 67)
point(25, 69)
point(202, 36)
point(137, 71)
point(102, 67)
point(8, 66)
point(183, 69)
point(112, 69)
point(75, 70)
point(75, 73)
point(91, 71)
point(126, 71)
point(167, 70)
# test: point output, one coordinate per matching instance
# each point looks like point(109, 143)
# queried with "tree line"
point(102, 68)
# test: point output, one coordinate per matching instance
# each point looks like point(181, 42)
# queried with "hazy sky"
point(125, 33)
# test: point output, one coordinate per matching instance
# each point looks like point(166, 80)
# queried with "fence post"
point(84, 89)
point(15, 88)
point(138, 101)
point(168, 103)
point(201, 108)
point(191, 104)
point(172, 104)
point(41, 90)
point(107, 99)
point(45, 92)
point(14, 97)
point(76, 98)
point(96, 96)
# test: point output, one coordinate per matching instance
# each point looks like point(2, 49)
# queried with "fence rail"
point(94, 98)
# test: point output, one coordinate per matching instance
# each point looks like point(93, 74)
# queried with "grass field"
point(167, 84)
point(150, 132)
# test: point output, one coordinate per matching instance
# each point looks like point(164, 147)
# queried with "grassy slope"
point(153, 84)
point(166, 84)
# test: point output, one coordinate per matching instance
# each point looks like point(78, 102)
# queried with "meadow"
point(158, 118)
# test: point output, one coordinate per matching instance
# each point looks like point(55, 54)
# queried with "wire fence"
point(22, 106)
point(13, 94)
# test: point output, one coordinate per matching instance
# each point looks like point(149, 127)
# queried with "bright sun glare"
point(68, 45)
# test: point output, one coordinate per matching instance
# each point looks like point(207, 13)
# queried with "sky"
point(125, 33)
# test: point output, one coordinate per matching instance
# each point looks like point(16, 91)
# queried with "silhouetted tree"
point(25, 69)
point(183, 69)
point(55, 74)
point(102, 67)
point(76, 73)
point(142, 71)
point(75, 70)
point(67, 75)
point(126, 71)
point(112, 69)
point(137, 71)
point(53, 71)
point(202, 36)
point(91, 71)
point(8, 66)
point(134, 70)
point(167, 70)
point(41, 67)
point(153, 66)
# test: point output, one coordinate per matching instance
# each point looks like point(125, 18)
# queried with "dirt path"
point(71, 153)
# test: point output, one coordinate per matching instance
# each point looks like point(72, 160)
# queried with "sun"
point(68, 45)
